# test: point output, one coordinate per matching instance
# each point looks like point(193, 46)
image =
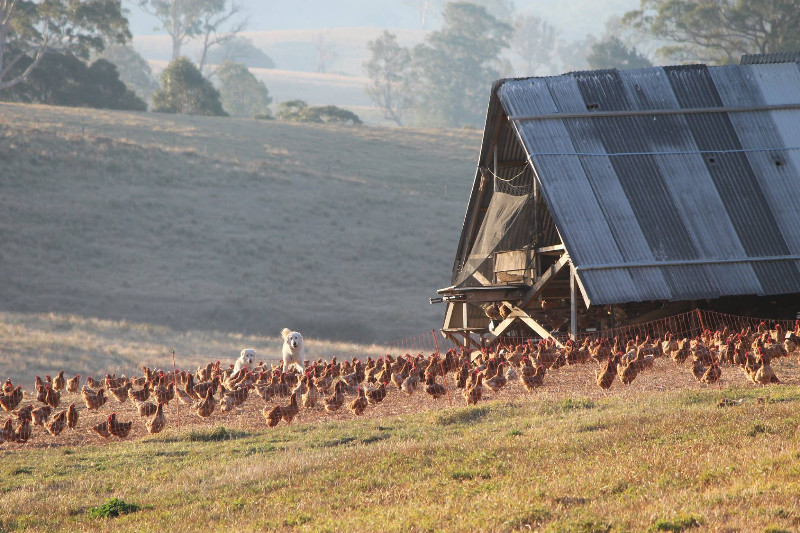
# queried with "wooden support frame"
point(519, 314)
point(548, 275)
point(469, 341)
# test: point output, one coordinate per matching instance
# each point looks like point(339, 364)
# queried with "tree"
point(184, 20)
point(719, 31)
point(502, 10)
point(133, 70)
point(534, 40)
point(241, 94)
point(388, 69)
point(63, 79)
point(326, 53)
point(184, 90)
point(214, 31)
point(612, 53)
point(291, 110)
point(240, 50)
point(30, 29)
point(454, 67)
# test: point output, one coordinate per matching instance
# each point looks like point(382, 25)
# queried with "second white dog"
point(294, 352)
point(247, 357)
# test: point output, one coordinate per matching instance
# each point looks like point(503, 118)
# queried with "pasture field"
point(656, 455)
point(662, 461)
point(43, 343)
point(238, 225)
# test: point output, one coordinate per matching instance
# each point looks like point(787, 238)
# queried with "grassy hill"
point(228, 224)
point(655, 462)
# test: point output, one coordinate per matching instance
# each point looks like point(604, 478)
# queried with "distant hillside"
point(228, 224)
point(295, 77)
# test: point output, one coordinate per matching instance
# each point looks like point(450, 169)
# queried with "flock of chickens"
point(329, 385)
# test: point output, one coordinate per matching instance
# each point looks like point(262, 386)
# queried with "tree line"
point(445, 81)
point(77, 52)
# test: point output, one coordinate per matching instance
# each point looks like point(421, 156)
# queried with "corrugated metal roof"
point(775, 57)
point(669, 183)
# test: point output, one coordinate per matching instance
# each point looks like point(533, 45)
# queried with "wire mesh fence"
point(685, 325)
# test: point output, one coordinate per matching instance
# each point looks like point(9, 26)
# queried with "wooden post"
point(573, 305)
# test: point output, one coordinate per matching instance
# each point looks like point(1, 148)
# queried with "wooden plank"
point(481, 278)
point(502, 326)
point(551, 272)
point(546, 249)
point(448, 316)
point(586, 301)
point(469, 341)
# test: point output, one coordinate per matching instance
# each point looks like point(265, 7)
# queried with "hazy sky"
point(573, 18)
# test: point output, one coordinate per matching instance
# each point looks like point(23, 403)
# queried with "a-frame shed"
point(611, 196)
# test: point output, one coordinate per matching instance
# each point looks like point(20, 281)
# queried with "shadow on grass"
point(465, 415)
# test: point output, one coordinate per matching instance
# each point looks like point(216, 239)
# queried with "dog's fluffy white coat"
point(246, 357)
point(294, 352)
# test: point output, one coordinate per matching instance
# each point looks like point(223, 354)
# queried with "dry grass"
point(657, 455)
point(39, 344)
point(229, 224)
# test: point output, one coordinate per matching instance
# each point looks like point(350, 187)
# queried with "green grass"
point(660, 463)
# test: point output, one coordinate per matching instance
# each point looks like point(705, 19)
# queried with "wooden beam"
point(543, 333)
point(551, 272)
point(586, 301)
point(448, 316)
point(573, 306)
point(546, 249)
point(469, 341)
point(502, 326)
point(480, 278)
point(452, 338)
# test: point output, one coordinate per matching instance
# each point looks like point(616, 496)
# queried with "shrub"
point(184, 90)
point(242, 95)
point(214, 435)
point(61, 79)
point(113, 507)
point(299, 111)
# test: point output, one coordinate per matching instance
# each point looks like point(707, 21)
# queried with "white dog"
point(293, 350)
point(247, 357)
